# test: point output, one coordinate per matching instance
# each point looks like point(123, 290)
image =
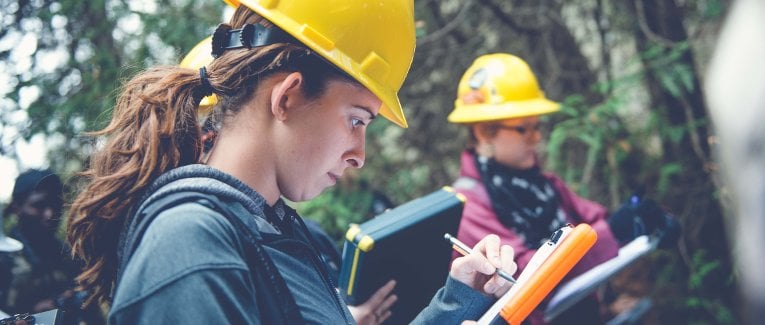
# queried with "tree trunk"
point(659, 30)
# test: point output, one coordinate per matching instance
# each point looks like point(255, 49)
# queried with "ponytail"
point(153, 129)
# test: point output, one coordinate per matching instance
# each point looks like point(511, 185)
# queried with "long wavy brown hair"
point(154, 128)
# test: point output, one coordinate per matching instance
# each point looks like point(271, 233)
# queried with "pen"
point(463, 249)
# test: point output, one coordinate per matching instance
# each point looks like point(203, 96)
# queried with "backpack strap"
point(275, 301)
point(277, 298)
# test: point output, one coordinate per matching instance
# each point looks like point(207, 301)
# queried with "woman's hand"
point(376, 309)
point(478, 270)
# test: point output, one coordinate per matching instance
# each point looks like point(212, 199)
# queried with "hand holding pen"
point(463, 249)
point(477, 266)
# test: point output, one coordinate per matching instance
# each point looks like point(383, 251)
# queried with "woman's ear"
point(483, 132)
point(484, 135)
point(285, 95)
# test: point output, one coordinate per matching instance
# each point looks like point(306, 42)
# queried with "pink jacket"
point(479, 220)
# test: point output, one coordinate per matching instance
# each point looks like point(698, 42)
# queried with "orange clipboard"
point(565, 248)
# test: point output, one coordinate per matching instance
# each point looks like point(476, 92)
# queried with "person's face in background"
point(40, 211)
point(513, 142)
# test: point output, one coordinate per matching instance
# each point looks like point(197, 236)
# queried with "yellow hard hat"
point(373, 41)
point(497, 87)
point(198, 57)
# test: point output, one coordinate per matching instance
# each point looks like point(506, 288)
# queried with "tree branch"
point(640, 15)
point(605, 52)
point(448, 28)
point(505, 18)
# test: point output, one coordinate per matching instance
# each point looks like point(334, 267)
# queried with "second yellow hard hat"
point(198, 57)
point(497, 87)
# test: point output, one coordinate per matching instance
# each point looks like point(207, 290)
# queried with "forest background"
point(629, 73)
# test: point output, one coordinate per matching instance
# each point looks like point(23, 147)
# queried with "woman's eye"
point(357, 122)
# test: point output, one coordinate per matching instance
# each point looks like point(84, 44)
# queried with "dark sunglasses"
point(521, 129)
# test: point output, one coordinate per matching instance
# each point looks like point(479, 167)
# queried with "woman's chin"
point(524, 165)
point(308, 195)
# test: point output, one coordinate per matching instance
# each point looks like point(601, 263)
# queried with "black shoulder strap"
point(276, 299)
point(275, 302)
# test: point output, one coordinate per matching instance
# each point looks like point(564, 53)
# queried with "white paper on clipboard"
point(577, 288)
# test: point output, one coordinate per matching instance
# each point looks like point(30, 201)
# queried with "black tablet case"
point(406, 244)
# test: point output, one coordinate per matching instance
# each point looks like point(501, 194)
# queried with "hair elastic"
point(206, 88)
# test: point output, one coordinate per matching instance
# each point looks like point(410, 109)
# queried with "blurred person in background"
point(501, 103)
point(735, 91)
point(42, 273)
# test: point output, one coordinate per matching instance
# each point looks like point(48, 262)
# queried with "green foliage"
point(690, 295)
point(595, 130)
point(665, 176)
point(702, 303)
point(339, 207)
point(703, 269)
point(609, 143)
point(99, 44)
point(710, 9)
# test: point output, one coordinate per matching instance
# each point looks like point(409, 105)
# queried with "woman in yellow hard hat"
point(166, 239)
point(499, 99)
point(364, 313)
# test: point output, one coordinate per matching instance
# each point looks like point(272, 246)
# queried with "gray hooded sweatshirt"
point(189, 266)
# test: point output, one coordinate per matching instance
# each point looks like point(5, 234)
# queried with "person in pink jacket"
point(507, 193)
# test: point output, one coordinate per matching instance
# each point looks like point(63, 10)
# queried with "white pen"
point(463, 249)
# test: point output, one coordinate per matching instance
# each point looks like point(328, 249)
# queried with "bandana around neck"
point(524, 200)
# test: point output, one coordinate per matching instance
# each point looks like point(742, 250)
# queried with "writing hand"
point(478, 270)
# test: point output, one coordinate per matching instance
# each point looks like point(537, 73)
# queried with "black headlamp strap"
point(248, 36)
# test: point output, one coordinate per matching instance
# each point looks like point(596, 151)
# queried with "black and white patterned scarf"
point(523, 200)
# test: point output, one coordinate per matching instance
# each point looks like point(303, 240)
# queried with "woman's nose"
point(535, 136)
point(357, 154)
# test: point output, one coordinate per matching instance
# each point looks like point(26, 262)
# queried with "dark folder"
point(405, 244)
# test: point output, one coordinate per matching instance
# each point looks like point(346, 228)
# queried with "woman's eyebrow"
point(372, 116)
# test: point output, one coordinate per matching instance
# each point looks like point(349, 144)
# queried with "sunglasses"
point(521, 129)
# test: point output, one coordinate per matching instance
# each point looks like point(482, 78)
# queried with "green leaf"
point(675, 133)
point(686, 76)
point(668, 83)
point(693, 302)
point(665, 174)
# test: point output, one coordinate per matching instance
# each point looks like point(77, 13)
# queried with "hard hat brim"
point(477, 113)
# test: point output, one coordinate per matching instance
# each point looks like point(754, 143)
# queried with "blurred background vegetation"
point(629, 73)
